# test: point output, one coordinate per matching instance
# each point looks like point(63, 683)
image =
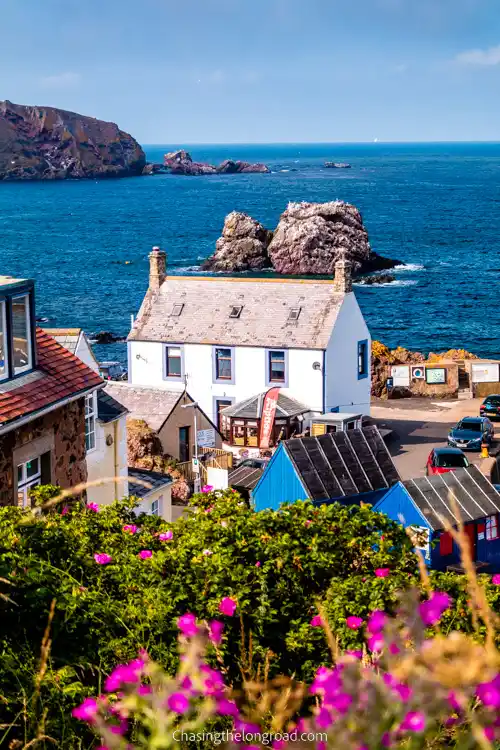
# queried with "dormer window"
point(294, 313)
point(235, 311)
point(21, 334)
point(177, 309)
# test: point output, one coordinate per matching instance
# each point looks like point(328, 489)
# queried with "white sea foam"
point(409, 267)
point(398, 282)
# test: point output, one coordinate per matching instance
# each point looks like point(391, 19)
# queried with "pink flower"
point(432, 609)
point(489, 733)
point(382, 572)
point(125, 673)
point(102, 558)
point(144, 554)
point(207, 488)
point(65, 510)
point(353, 622)
point(376, 621)
point(489, 693)
point(87, 710)
point(394, 649)
point(130, 528)
point(187, 625)
point(215, 629)
point(227, 606)
point(207, 552)
point(178, 703)
point(227, 708)
point(324, 719)
point(92, 506)
point(307, 523)
point(257, 564)
point(166, 536)
point(316, 621)
point(414, 721)
point(376, 642)
point(453, 701)
point(355, 653)
point(496, 579)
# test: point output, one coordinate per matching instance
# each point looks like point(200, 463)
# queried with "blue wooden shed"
point(350, 467)
point(425, 503)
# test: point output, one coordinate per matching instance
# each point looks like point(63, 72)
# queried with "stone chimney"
point(342, 283)
point(157, 268)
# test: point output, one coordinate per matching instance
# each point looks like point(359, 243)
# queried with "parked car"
point(471, 432)
point(254, 463)
point(491, 406)
point(112, 371)
point(442, 460)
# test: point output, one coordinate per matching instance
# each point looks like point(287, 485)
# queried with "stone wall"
point(62, 433)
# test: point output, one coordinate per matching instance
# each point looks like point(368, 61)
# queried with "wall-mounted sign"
point(435, 375)
point(485, 373)
point(400, 375)
point(206, 438)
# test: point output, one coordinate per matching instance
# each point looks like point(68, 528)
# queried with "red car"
point(442, 460)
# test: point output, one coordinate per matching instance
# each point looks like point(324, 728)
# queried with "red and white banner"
point(267, 418)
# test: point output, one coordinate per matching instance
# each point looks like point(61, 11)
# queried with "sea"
point(435, 207)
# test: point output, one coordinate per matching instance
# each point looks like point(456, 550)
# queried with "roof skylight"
point(294, 313)
point(177, 309)
point(235, 311)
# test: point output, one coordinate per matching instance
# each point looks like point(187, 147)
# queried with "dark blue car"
point(470, 433)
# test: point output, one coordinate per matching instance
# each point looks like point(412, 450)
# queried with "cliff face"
point(44, 143)
point(309, 239)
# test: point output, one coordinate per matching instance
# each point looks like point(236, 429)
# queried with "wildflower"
point(489, 733)
point(355, 653)
point(93, 506)
point(215, 629)
point(382, 572)
point(213, 684)
point(102, 558)
point(257, 564)
point(207, 552)
point(376, 621)
point(489, 693)
point(324, 719)
point(353, 622)
point(65, 510)
point(120, 728)
point(144, 690)
point(123, 674)
point(341, 702)
point(376, 642)
point(316, 621)
point(178, 703)
point(226, 707)
point(209, 510)
point(187, 625)
point(394, 649)
point(166, 536)
point(496, 579)
point(144, 554)
point(453, 701)
point(87, 710)
point(207, 488)
point(386, 740)
point(414, 721)
point(227, 606)
point(130, 528)
point(432, 609)
point(307, 523)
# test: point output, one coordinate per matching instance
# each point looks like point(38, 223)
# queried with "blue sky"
point(208, 71)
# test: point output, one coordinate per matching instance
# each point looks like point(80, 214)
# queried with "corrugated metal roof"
point(474, 495)
point(245, 477)
point(342, 464)
point(153, 405)
point(154, 479)
point(251, 408)
point(264, 319)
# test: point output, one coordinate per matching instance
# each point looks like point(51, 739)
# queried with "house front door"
point(184, 444)
point(470, 531)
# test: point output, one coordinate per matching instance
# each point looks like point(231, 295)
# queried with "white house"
point(227, 339)
point(105, 427)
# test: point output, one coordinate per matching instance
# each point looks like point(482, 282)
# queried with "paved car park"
point(419, 425)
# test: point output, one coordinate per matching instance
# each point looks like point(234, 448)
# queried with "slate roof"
point(67, 337)
point(342, 464)
point(475, 496)
point(263, 321)
point(251, 408)
point(154, 479)
point(59, 375)
point(245, 477)
point(108, 408)
point(153, 405)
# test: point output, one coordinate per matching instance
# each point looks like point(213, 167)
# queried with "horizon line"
point(378, 142)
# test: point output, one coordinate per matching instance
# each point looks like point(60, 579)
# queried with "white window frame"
point(26, 483)
point(156, 511)
point(491, 528)
point(3, 327)
point(29, 366)
point(90, 421)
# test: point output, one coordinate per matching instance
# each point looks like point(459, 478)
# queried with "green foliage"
point(105, 613)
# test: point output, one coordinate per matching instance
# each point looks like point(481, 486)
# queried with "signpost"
point(206, 438)
point(267, 418)
point(196, 466)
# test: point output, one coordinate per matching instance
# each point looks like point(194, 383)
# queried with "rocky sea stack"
point(309, 239)
point(44, 143)
point(181, 162)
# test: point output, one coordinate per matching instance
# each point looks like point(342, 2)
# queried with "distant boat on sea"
point(337, 165)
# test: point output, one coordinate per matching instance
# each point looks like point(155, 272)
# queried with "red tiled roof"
point(64, 375)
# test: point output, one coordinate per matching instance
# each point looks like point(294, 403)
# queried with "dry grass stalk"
point(80, 488)
point(45, 650)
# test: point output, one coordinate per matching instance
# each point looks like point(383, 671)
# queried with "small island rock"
point(181, 162)
point(242, 247)
point(45, 143)
point(232, 167)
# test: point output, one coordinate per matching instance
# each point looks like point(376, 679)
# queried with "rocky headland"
point(309, 239)
point(181, 162)
point(45, 143)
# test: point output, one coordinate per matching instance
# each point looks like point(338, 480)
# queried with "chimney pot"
point(157, 268)
point(342, 282)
